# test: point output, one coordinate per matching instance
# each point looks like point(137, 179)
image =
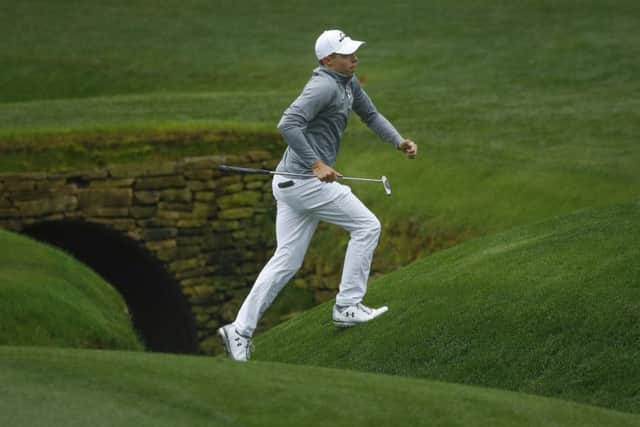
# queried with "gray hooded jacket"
point(314, 123)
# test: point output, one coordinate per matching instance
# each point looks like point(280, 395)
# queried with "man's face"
point(343, 64)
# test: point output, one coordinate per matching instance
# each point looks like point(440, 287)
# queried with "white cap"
point(335, 41)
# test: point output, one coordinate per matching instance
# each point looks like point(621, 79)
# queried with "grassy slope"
point(63, 387)
point(523, 111)
point(551, 309)
point(48, 298)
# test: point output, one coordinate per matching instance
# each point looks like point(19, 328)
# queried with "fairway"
point(522, 111)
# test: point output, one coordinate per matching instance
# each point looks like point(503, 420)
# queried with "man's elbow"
point(289, 124)
point(284, 128)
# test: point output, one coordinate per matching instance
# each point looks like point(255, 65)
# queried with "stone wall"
point(212, 232)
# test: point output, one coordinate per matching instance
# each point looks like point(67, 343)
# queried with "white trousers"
point(300, 208)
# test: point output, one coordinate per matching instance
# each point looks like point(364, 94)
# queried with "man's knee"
point(376, 227)
point(369, 229)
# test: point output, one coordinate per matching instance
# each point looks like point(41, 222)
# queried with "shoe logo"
point(352, 314)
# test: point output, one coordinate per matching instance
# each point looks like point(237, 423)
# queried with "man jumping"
point(313, 126)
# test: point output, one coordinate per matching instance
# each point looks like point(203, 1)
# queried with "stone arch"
point(160, 312)
point(209, 232)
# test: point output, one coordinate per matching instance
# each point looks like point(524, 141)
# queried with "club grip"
point(235, 169)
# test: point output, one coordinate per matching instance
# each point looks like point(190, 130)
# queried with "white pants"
point(300, 208)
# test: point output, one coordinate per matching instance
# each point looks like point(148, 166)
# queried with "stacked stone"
point(212, 232)
point(34, 197)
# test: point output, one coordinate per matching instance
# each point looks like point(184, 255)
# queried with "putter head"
point(387, 186)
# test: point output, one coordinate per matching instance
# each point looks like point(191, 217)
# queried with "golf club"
point(235, 169)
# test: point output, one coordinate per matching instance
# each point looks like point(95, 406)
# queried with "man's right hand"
point(324, 172)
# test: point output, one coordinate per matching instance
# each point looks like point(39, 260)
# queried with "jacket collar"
point(340, 78)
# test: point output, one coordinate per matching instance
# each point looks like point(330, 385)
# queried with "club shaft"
point(236, 169)
point(352, 178)
point(301, 175)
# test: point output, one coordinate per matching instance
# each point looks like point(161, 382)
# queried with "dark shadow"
point(160, 312)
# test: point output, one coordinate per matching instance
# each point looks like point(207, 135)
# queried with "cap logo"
point(341, 37)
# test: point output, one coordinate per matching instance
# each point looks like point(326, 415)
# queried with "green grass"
point(551, 309)
point(79, 149)
point(522, 111)
point(73, 388)
point(47, 298)
point(136, 47)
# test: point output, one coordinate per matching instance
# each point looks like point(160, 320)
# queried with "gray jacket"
point(314, 123)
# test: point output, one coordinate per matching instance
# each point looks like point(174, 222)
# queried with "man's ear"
point(326, 60)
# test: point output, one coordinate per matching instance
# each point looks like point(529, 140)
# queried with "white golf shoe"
point(354, 314)
point(237, 346)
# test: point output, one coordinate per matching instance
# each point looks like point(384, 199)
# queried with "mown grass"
point(73, 388)
point(47, 298)
point(552, 309)
point(522, 111)
point(136, 47)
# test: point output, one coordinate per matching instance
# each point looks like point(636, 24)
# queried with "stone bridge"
point(181, 242)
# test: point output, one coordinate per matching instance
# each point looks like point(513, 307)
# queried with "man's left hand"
point(409, 147)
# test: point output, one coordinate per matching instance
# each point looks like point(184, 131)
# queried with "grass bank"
point(86, 147)
point(106, 388)
point(551, 308)
point(47, 298)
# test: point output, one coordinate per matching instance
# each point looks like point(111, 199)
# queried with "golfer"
point(313, 126)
